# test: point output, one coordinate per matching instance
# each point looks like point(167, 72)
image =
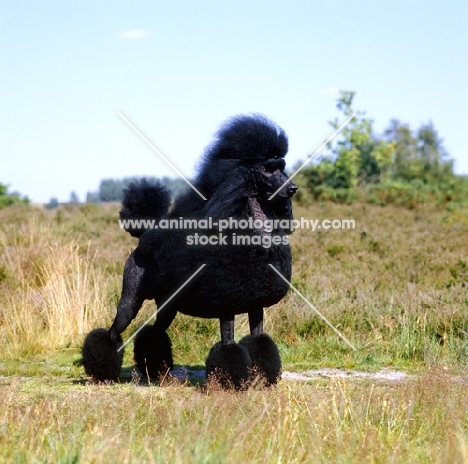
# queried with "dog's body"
point(239, 173)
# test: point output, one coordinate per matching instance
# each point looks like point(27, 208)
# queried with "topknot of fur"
point(248, 138)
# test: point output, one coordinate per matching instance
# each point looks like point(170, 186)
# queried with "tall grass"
point(53, 292)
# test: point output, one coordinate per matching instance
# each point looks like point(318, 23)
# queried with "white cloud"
point(331, 91)
point(133, 34)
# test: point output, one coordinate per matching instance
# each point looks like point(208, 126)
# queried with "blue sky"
point(177, 69)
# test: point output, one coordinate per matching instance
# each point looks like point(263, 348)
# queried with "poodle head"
point(250, 148)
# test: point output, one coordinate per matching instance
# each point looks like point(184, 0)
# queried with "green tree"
point(400, 166)
point(356, 159)
point(420, 156)
point(404, 164)
point(360, 157)
point(53, 203)
point(7, 199)
point(74, 200)
point(435, 159)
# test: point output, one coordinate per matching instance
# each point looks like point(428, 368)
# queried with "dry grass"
point(396, 287)
point(54, 293)
point(422, 420)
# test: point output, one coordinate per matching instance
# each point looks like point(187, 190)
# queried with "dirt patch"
point(384, 374)
point(185, 373)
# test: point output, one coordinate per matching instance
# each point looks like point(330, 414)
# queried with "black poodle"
point(237, 232)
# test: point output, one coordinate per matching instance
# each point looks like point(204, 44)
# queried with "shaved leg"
point(263, 351)
point(227, 330)
point(133, 294)
point(256, 321)
point(228, 364)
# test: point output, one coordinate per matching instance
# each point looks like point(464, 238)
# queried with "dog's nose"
point(292, 189)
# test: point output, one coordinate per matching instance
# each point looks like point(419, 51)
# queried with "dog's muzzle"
point(279, 180)
point(288, 190)
point(292, 189)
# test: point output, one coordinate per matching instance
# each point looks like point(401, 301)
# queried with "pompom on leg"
point(228, 365)
point(101, 360)
point(266, 360)
point(153, 352)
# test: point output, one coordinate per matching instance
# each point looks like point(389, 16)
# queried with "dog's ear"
point(231, 196)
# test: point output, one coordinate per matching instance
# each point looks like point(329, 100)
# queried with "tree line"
point(112, 189)
point(399, 166)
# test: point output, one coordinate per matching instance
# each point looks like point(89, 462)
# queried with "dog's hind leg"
point(152, 347)
point(135, 290)
point(263, 351)
point(102, 349)
point(228, 364)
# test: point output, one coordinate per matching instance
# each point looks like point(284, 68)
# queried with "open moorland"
point(395, 287)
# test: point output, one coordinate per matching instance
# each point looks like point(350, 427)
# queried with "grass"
point(53, 420)
point(395, 286)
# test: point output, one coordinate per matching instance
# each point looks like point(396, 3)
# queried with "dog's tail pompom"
point(143, 200)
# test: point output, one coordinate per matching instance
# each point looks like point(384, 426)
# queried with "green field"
point(395, 286)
